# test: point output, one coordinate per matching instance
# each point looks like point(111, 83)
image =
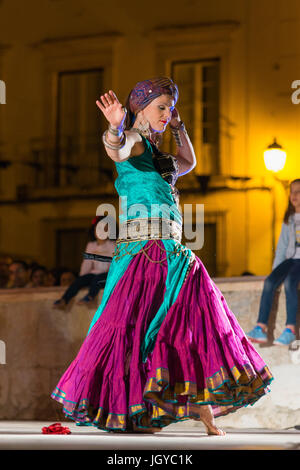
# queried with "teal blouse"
point(145, 193)
point(142, 189)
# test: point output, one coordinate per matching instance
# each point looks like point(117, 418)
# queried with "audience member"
point(67, 277)
point(18, 274)
point(38, 277)
point(53, 277)
point(285, 270)
point(93, 273)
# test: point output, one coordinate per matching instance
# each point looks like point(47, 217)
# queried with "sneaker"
point(286, 337)
point(60, 304)
point(257, 335)
point(86, 300)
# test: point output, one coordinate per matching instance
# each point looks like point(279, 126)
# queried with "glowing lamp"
point(274, 157)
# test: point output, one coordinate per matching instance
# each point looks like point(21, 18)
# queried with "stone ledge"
point(224, 283)
point(28, 293)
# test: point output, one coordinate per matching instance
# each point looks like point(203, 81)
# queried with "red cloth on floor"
point(56, 428)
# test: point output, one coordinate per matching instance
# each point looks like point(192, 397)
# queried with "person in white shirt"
point(286, 268)
point(93, 273)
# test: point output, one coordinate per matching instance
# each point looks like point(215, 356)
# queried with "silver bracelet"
point(116, 130)
point(180, 127)
point(176, 135)
point(114, 146)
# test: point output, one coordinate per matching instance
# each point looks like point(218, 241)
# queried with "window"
point(207, 254)
point(75, 156)
point(70, 245)
point(69, 151)
point(199, 83)
point(213, 252)
point(79, 124)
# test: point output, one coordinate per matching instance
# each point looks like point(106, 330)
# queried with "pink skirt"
point(200, 356)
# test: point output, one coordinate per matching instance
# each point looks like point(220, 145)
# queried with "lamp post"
point(274, 158)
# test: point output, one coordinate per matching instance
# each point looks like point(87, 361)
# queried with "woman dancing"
point(163, 345)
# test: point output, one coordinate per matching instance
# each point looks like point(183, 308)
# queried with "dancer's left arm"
point(185, 155)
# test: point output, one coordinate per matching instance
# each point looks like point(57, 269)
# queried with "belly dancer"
point(163, 345)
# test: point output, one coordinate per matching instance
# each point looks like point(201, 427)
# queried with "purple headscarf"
point(145, 92)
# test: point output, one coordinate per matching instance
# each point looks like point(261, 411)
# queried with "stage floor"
point(27, 435)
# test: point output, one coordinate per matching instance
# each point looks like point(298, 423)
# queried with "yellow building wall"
point(262, 62)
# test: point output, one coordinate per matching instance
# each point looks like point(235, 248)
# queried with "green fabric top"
point(142, 189)
point(140, 183)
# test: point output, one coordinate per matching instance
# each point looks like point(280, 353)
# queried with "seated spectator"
point(67, 277)
point(285, 270)
point(53, 277)
point(93, 273)
point(18, 274)
point(38, 276)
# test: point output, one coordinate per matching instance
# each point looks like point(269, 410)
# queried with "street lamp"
point(274, 157)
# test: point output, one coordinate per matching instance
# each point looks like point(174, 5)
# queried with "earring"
point(144, 128)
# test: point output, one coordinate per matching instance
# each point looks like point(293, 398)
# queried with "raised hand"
point(112, 109)
point(175, 118)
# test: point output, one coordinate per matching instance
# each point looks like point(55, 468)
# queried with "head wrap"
point(145, 92)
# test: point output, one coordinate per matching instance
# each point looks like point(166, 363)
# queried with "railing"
point(49, 162)
point(69, 161)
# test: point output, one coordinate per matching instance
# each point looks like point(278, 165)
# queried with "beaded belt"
point(150, 228)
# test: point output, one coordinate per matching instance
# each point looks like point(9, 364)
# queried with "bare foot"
point(206, 416)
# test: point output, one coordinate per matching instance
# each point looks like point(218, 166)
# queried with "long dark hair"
point(290, 208)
